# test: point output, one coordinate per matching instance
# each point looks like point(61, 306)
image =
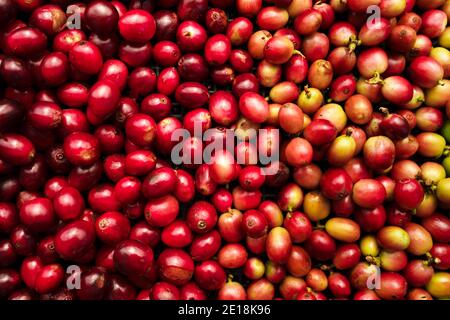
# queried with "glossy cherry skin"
point(438, 225)
point(101, 198)
point(177, 234)
point(193, 67)
point(10, 280)
point(157, 105)
point(191, 36)
point(101, 17)
point(26, 42)
point(209, 275)
point(175, 266)
point(86, 57)
point(127, 190)
point(11, 112)
point(320, 132)
point(7, 254)
point(254, 223)
point(45, 115)
point(93, 284)
point(201, 217)
point(74, 240)
point(166, 53)
point(45, 250)
point(336, 184)
point(298, 226)
point(223, 108)
point(140, 162)
point(205, 246)
point(395, 126)
point(192, 10)
point(81, 148)
point(112, 227)
point(347, 256)
point(408, 193)
point(320, 245)
point(160, 212)
point(145, 233)
point(140, 129)
point(166, 24)
point(230, 226)
point(184, 187)
point(66, 39)
point(16, 149)
point(393, 286)
point(119, 289)
point(137, 26)
point(38, 214)
point(49, 278)
point(371, 220)
point(260, 111)
point(54, 68)
point(103, 98)
point(217, 50)
point(133, 257)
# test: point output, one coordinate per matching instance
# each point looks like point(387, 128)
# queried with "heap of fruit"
point(357, 207)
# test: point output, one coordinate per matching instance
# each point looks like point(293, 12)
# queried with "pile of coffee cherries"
point(350, 99)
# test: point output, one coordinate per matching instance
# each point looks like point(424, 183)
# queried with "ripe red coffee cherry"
point(222, 167)
point(191, 36)
point(160, 212)
point(101, 17)
point(205, 246)
point(112, 227)
point(45, 115)
point(201, 217)
point(16, 149)
point(54, 68)
point(298, 226)
point(8, 217)
point(140, 129)
point(103, 99)
point(127, 190)
point(26, 42)
point(336, 184)
point(177, 234)
point(68, 204)
point(209, 275)
point(175, 266)
point(217, 50)
point(37, 214)
point(139, 163)
point(408, 193)
point(145, 233)
point(132, 257)
point(49, 278)
point(254, 224)
point(254, 107)
point(166, 53)
point(101, 198)
point(81, 149)
point(74, 239)
point(137, 26)
point(159, 182)
point(184, 187)
point(86, 57)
